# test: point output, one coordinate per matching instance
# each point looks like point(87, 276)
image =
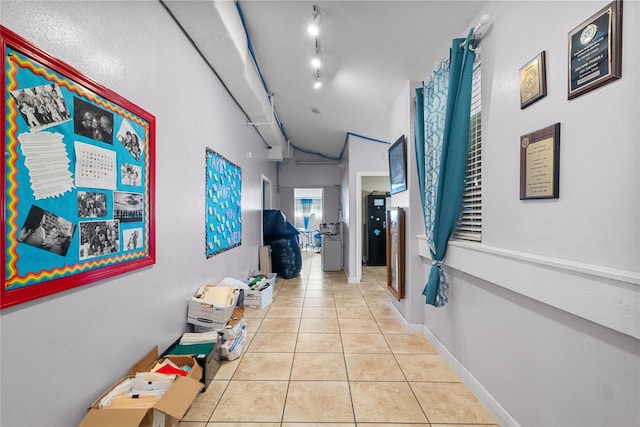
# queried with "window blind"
point(470, 222)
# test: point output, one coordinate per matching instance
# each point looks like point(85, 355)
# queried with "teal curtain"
point(444, 206)
point(418, 136)
point(306, 211)
point(429, 131)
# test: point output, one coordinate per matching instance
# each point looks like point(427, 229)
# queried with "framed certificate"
point(533, 81)
point(595, 51)
point(540, 164)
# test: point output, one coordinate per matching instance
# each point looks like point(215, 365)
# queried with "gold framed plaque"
point(595, 51)
point(533, 81)
point(540, 164)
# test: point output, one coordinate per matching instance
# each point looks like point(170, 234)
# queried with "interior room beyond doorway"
point(308, 215)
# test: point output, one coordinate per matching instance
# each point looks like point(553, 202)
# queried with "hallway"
point(330, 353)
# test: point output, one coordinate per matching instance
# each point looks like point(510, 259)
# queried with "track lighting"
point(316, 60)
point(314, 27)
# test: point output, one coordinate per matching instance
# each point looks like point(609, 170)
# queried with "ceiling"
point(370, 49)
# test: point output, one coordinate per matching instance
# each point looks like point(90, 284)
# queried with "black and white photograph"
point(92, 205)
point(130, 174)
point(132, 239)
point(45, 230)
point(99, 238)
point(92, 122)
point(41, 106)
point(130, 139)
point(128, 207)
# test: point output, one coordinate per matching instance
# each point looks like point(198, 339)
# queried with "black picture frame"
point(398, 166)
point(595, 51)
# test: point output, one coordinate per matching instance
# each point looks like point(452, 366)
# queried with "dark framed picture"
point(395, 252)
point(533, 81)
point(540, 164)
point(67, 202)
point(595, 51)
point(398, 166)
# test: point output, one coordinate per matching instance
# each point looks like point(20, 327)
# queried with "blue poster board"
point(223, 216)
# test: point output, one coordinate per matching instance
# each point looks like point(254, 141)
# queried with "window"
point(470, 222)
point(308, 208)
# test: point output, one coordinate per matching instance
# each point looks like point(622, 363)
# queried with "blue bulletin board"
point(223, 216)
point(78, 177)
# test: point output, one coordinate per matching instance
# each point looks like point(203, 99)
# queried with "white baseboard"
point(489, 402)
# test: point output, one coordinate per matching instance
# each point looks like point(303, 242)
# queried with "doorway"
point(366, 183)
point(308, 205)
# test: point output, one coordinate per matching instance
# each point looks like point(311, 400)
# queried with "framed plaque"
point(540, 164)
point(533, 81)
point(595, 50)
point(395, 252)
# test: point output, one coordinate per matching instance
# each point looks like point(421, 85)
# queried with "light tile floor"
point(330, 353)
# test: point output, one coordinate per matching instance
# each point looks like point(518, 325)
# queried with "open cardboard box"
point(165, 412)
point(201, 312)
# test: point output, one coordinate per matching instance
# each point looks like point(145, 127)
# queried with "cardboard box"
point(258, 299)
point(204, 313)
point(181, 360)
point(167, 411)
point(203, 354)
point(235, 325)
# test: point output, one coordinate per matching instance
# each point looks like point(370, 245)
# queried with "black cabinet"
point(375, 230)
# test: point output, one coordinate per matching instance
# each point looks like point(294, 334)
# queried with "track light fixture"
point(316, 60)
point(316, 16)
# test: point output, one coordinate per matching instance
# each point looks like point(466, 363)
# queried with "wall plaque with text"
point(595, 50)
point(540, 164)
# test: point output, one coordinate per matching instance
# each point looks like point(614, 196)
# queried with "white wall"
point(402, 123)
point(59, 353)
point(328, 177)
point(365, 158)
point(542, 365)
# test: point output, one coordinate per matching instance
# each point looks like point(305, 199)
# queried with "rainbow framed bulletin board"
point(78, 177)
point(223, 204)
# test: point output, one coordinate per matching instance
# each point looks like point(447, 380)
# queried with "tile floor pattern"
point(330, 353)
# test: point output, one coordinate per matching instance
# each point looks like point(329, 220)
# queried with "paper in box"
point(263, 296)
point(202, 312)
point(203, 353)
point(166, 411)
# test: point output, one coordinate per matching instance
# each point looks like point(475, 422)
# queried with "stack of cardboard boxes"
point(147, 397)
point(121, 405)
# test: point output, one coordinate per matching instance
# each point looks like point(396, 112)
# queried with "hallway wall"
point(542, 364)
point(59, 353)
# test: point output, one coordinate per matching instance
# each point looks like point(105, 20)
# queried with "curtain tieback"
point(436, 263)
